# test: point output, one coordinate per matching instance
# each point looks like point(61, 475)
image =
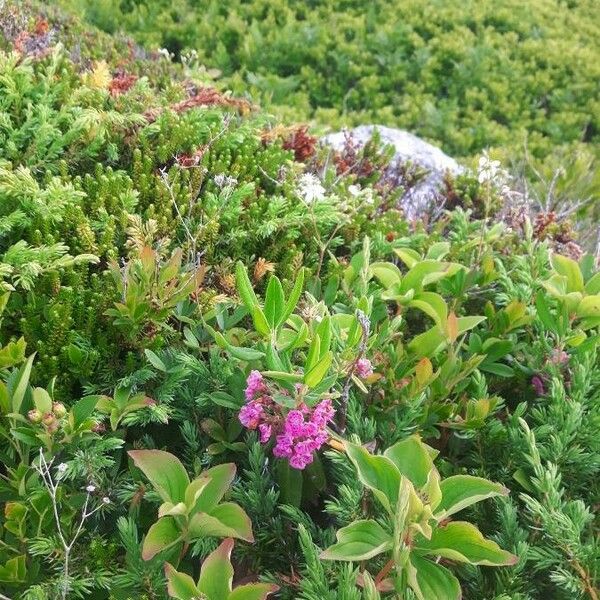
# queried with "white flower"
point(106, 500)
point(223, 180)
point(90, 489)
point(62, 468)
point(310, 188)
point(165, 53)
point(354, 190)
point(489, 170)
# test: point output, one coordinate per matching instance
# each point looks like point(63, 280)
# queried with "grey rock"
point(408, 147)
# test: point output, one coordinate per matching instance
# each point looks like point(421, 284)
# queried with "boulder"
point(408, 148)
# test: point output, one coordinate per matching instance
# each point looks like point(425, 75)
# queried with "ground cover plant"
point(231, 369)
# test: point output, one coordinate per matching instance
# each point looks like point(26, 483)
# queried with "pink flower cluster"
point(304, 432)
point(364, 368)
point(298, 435)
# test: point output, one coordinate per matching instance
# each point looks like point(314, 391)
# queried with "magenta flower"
point(364, 368)
point(538, 385)
point(265, 432)
point(255, 385)
point(298, 434)
point(251, 414)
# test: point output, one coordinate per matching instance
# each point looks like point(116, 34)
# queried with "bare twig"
point(44, 469)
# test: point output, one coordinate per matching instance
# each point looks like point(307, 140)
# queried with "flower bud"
point(59, 410)
point(48, 419)
point(35, 416)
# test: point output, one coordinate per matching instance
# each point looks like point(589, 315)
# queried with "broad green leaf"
point(593, 285)
point(274, 302)
point(589, 307)
point(18, 387)
point(290, 482)
point(314, 351)
point(225, 520)
point(193, 491)
point(253, 591)
point(412, 458)
point(82, 409)
point(408, 256)
point(433, 305)
point(378, 473)
point(162, 535)
point(155, 361)
point(42, 400)
point(260, 321)
point(428, 343)
point(245, 354)
point(324, 332)
point(460, 491)
point(463, 542)
point(430, 581)
point(386, 273)
point(316, 374)
point(438, 250)
point(165, 472)
point(569, 269)
point(216, 573)
point(167, 509)
point(360, 540)
point(244, 287)
point(180, 585)
point(295, 294)
point(220, 478)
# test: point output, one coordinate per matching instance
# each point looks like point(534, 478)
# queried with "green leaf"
point(589, 307)
point(274, 302)
point(253, 591)
point(180, 585)
point(290, 483)
point(378, 473)
point(260, 321)
point(226, 520)
point(408, 256)
point(593, 285)
point(316, 374)
point(433, 305)
point(569, 269)
point(290, 305)
point(244, 287)
point(544, 314)
point(216, 573)
point(155, 361)
point(460, 491)
point(245, 354)
point(82, 409)
point(360, 540)
point(431, 581)
point(413, 459)
point(386, 273)
point(220, 478)
point(314, 351)
point(463, 542)
point(42, 400)
point(162, 535)
point(165, 472)
point(19, 386)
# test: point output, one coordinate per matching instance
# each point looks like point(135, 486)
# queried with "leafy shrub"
point(199, 297)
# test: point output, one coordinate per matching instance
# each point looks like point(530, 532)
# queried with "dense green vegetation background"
point(185, 275)
point(466, 74)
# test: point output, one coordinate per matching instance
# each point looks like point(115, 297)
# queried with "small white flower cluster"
point(164, 53)
point(365, 195)
point(310, 188)
point(223, 181)
point(490, 171)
